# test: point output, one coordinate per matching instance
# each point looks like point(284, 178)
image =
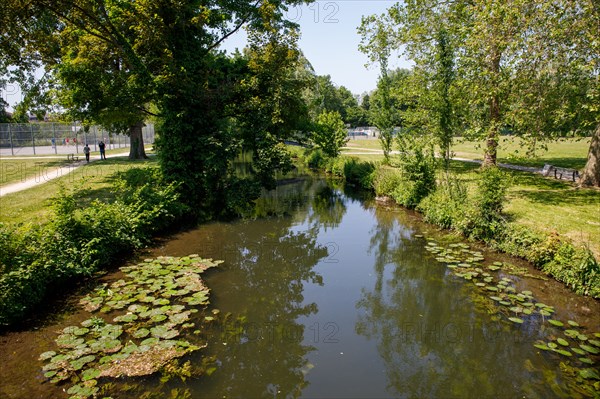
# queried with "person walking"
point(86, 151)
point(102, 153)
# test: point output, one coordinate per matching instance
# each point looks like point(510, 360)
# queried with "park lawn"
point(18, 170)
point(566, 153)
point(547, 205)
point(34, 204)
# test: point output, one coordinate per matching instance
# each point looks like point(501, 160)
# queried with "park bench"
point(560, 173)
point(72, 157)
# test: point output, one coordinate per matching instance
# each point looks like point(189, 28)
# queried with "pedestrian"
point(86, 151)
point(102, 153)
point(53, 142)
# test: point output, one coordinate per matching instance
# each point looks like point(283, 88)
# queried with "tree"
point(330, 134)
point(167, 53)
point(376, 43)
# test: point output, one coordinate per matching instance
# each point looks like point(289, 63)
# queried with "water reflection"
point(430, 332)
point(259, 348)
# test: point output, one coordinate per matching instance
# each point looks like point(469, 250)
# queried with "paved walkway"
point(49, 174)
point(372, 151)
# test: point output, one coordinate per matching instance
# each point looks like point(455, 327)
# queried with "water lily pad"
point(90, 374)
point(47, 355)
point(505, 303)
point(480, 284)
point(594, 342)
point(586, 360)
point(527, 293)
point(141, 333)
point(79, 363)
point(516, 309)
point(562, 342)
point(50, 374)
point(497, 263)
point(488, 279)
point(527, 311)
point(542, 347)
point(69, 341)
point(158, 318)
point(490, 288)
point(573, 323)
point(545, 313)
point(555, 323)
point(111, 331)
point(541, 305)
point(149, 341)
point(82, 390)
point(552, 345)
point(515, 320)
point(493, 268)
point(496, 298)
point(163, 332)
point(107, 345)
point(564, 352)
point(571, 333)
point(582, 337)
point(590, 349)
point(126, 318)
point(579, 351)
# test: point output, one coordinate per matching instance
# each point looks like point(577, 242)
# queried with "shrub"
point(359, 173)
point(446, 206)
point(417, 165)
point(385, 180)
point(314, 158)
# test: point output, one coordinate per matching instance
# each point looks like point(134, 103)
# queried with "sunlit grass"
point(34, 204)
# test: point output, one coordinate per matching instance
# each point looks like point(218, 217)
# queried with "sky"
point(330, 41)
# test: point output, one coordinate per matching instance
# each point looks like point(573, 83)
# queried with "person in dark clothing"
point(102, 153)
point(86, 151)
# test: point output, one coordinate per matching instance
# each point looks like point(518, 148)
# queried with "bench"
point(560, 173)
point(72, 157)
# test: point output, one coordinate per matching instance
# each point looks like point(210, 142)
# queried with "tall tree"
point(376, 42)
point(168, 50)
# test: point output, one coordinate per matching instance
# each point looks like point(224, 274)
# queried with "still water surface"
point(336, 298)
point(332, 295)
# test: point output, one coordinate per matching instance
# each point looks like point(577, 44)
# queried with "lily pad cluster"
point(138, 326)
point(517, 307)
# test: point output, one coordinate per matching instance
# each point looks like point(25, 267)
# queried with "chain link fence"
point(60, 138)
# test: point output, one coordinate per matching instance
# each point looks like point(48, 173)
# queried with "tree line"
point(527, 67)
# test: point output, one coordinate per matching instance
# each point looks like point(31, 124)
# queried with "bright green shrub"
point(385, 180)
point(359, 173)
point(446, 206)
point(315, 159)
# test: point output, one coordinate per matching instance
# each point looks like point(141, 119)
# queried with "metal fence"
point(60, 138)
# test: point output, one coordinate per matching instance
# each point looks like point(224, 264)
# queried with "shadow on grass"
point(571, 163)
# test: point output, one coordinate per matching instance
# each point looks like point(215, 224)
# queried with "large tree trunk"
point(591, 172)
point(136, 141)
point(491, 148)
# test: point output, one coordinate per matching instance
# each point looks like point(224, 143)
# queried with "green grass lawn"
point(17, 170)
point(34, 204)
point(566, 153)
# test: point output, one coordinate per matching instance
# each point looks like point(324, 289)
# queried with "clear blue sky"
point(330, 41)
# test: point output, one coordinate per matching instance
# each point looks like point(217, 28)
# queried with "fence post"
point(32, 138)
point(12, 151)
point(54, 137)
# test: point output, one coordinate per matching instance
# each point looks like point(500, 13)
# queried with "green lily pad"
point(562, 342)
point(158, 318)
point(544, 312)
point(107, 345)
point(496, 298)
point(47, 355)
point(497, 263)
point(552, 345)
point(590, 349)
point(571, 333)
point(505, 303)
point(515, 320)
point(490, 288)
point(516, 309)
point(111, 331)
point(564, 352)
point(79, 363)
point(573, 323)
point(493, 268)
point(69, 341)
point(141, 333)
point(586, 360)
point(163, 332)
point(542, 347)
point(126, 318)
point(541, 305)
point(82, 390)
point(594, 342)
point(579, 351)
point(555, 323)
point(527, 293)
point(480, 284)
point(90, 374)
point(50, 374)
point(527, 311)
point(149, 341)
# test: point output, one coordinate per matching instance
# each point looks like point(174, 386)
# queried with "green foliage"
point(82, 239)
point(484, 219)
point(314, 158)
point(359, 173)
point(417, 166)
point(385, 180)
point(330, 134)
point(445, 206)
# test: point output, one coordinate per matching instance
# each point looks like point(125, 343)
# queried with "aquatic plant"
point(138, 327)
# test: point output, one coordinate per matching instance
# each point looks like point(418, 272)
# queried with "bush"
point(81, 240)
point(417, 165)
point(483, 219)
point(314, 158)
point(385, 180)
point(446, 206)
point(359, 173)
